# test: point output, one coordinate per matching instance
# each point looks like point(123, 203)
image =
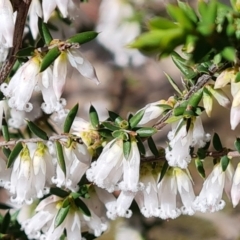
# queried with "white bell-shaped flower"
point(7, 23)
point(35, 11)
point(147, 199)
point(22, 85)
point(64, 65)
point(210, 197)
point(63, 6)
point(175, 181)
point(235, 190)
point(31, 174)
point(77, 161)
point(181, 139)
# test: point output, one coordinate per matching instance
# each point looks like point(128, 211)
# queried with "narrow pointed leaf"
point(5, 131)
point(60, 156)
point(237, 144)
point(82, 206)
point(25, 52)
point(195, 98)
point(5, 222)
point(37, 131)
point(5, 206)
point(224, 162)
point(173, 83)
point(61, 215)
point(153, 147)
point(93, 116)
point(58, 192)
point(146, 131)
point(141, 147)
point(15, 152)
point(115, 117)
point(136, 118)
point(200, 168)
point(164, 170)
point(126, 149)
point(217, 142)
point(49, 58)
point(70, 118)
point(83, 37)
point(110, 126)
point(44, 31)
point(6, 152)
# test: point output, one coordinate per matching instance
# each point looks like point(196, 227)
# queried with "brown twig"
point(21, 7)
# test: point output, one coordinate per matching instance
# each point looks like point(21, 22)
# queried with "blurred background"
point(128, 81)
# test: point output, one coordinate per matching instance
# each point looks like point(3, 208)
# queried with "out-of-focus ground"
point(127, 90)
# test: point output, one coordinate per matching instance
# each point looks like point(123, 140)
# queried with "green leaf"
point(146, 131)
point(164, 170)
point(188, 11)
point(60, 156)
point(201, 153)
point(180, 16)
point(161, 23)
point(173, 83)
point(4, 206)
point(58, 192)
point(200, 168)
point(182, 65)
point(82, 206)
point(217, 142)
point(229, 53)
point(115, 117)
point(93, 116)
point(6, 152)
point(37, 131)
point(82, 38)
point(5, 131)
point(173, 119)
point(195, 98)
point(25, 52)
point(120, 134)
point(110, 126)
point(15, 152)
point(153, 147)
point(224, 162)
point(140, 145)
point(237, 144)
point(49, 58)
point(70, 118)
point(44, 32)
point(135, 119)
point(126, 149)
point(61, 215)
point(5, 222)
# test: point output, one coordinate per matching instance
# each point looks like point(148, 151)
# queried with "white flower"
point(235, 116)
point(147, 199)
point(35, 11)
point(31, 174)
point(178, 151)
point(107, 171)
point(7, 23)
point(63, 6)
point(63, 66)
point(112, 166)
point(210, 197)
point(235, 190)
point(77, 161)
point(151, 111)
point(122, 31)
point(17, 118)
point(175, 180)
point(22, 85)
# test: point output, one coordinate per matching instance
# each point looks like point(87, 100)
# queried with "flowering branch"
point(22, 11)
